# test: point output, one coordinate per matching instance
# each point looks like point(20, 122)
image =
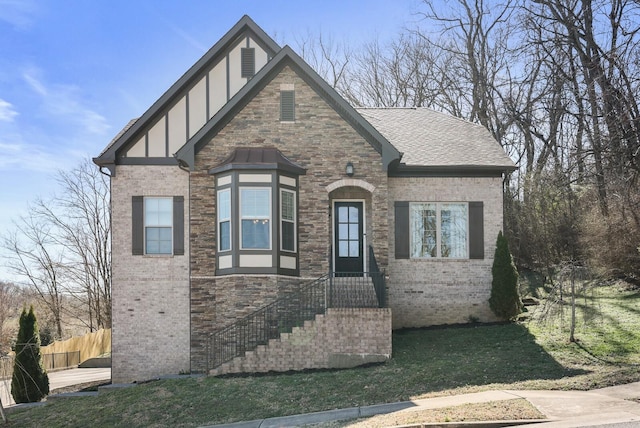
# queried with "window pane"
point(158, 211)
point(255, 233)
point(343, 231)
point(288, 208)
point(353, 214)
point(225, 235)
point(423, 230)
point(453, 225)
point(343, 249)
point(255, 203)
point(224, 204)
point(158, 240)
point(354, 250)
point(288, 236)
point(343, 214)
point(353, 231)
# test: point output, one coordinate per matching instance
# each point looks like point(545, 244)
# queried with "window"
point(287, 106)
point(248, 59)
point(224, 220)
point(288, 220)
point(256, 205)
point(158, 225)
point(255, 215)
point(439, 230)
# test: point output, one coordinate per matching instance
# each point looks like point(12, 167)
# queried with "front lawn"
point(426, 362)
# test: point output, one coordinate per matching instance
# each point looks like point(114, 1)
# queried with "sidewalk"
point(59, 379)
point(563, 409)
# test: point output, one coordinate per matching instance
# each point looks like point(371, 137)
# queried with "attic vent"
point(287, 106)
point(248, 62)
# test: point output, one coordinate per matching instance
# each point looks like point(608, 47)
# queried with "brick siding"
point(425, 292)
point(321, 142)
point(150, 294)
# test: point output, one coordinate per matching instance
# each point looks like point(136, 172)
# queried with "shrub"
point(505, 300)
point(30, 382)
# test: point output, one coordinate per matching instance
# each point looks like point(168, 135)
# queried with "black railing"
point(346, 290)
point(354, 290)
point(379, 279)
point(267, 323)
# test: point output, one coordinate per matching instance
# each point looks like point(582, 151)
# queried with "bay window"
point(224, 220)
point(257, 209)
point(288, 220)
point(255, 213)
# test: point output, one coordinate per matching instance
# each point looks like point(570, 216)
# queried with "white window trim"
point(270, 217)
point(438, 206)
point(295, 221)
point(145, 226)
point(221, 220)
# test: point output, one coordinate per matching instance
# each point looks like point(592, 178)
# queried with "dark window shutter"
point(476, 230)
point(248, 62)
point(402, 229)
point(287, 106)
point(137, 225)
point(178, 225)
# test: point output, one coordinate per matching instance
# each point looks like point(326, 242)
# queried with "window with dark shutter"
point(248, 62)
point(476, 230)
point(147, 237)
point(137, 225)
point(402, 229)
point(178, 225)
point(287, 106)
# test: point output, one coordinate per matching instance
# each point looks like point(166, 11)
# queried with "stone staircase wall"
point(341, 338)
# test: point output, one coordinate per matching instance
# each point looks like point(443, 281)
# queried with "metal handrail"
point(267, 323)
point(345, 290)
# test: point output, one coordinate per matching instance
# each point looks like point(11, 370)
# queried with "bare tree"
point(62, 248)
point(9, 308)
point(81, 217)
point(35, 256)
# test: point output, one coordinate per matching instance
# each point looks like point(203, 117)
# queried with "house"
point(260, 222)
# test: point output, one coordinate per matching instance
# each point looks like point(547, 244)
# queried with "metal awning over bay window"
point(257, 213)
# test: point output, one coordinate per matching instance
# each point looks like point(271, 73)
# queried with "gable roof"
point(287, 57)
point(245, 24)
point(437, 142)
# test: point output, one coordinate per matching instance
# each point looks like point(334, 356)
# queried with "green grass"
point(427, 362)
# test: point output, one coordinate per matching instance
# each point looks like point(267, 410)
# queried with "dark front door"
point(348, 232)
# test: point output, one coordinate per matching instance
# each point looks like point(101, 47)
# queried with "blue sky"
point(72, 73)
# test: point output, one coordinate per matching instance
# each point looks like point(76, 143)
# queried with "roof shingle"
point(430, 138)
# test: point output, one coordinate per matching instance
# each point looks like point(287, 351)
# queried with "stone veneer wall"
point(339, 339)
point(321, 142)
point(425, 292)
point(150, 294)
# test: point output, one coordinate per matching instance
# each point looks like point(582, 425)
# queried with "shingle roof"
point(428, 138)
point(120, 134)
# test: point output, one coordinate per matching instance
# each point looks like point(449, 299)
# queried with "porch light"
point(350, 169)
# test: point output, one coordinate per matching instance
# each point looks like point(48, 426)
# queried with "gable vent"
point(248, 62)
point(287, 106)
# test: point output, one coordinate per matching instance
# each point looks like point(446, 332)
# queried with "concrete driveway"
point(59, 379)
